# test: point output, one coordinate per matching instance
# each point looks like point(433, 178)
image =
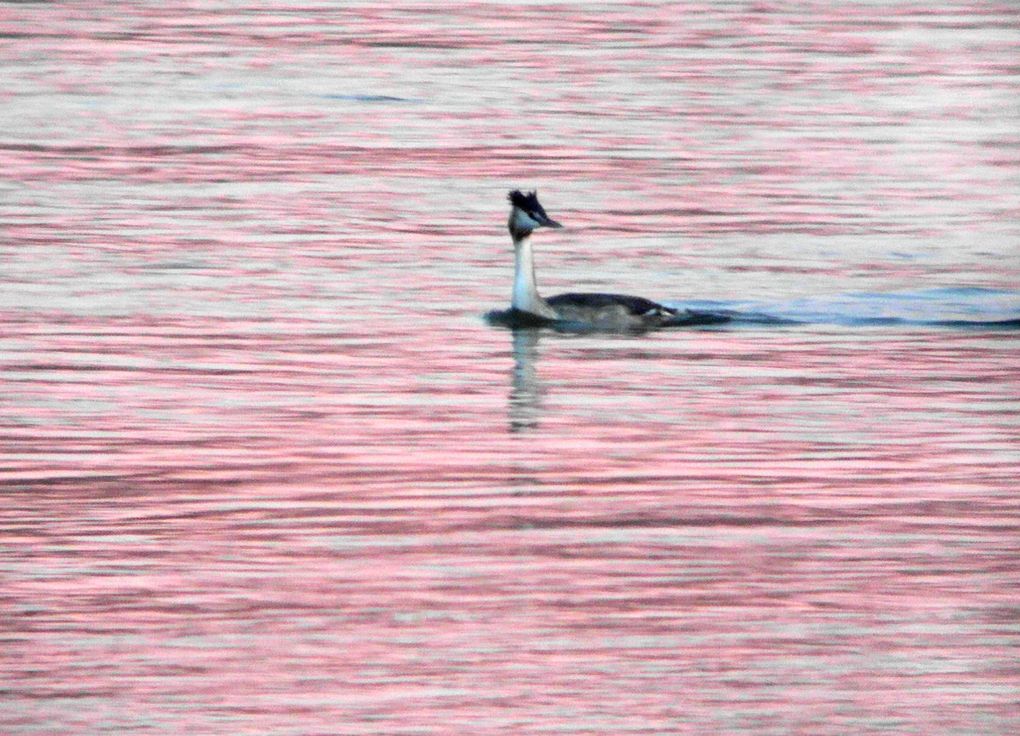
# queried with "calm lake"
point(266, 470)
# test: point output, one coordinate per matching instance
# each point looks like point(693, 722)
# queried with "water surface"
point(267, 470)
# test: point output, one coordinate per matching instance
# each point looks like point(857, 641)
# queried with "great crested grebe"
point(612, 311)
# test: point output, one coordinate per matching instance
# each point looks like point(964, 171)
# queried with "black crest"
point(527, 202)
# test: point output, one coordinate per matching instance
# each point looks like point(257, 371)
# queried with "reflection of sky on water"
point(267, 470)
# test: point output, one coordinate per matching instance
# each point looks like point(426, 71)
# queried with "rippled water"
point(267, 470)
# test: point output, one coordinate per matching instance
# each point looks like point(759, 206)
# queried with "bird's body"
point(611, 310)
point(606, 311)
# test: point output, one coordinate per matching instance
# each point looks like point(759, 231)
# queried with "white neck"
point(525, 296)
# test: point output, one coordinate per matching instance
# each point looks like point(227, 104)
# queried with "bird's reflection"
point(526, 390)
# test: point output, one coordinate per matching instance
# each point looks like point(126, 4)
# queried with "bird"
point(598, 310)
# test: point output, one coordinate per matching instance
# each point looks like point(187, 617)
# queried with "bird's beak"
point(549, 222)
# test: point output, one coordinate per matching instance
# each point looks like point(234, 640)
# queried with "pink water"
point(266, 470)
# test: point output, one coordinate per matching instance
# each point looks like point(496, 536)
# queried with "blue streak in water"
point(948, 308)
point(368, 98)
